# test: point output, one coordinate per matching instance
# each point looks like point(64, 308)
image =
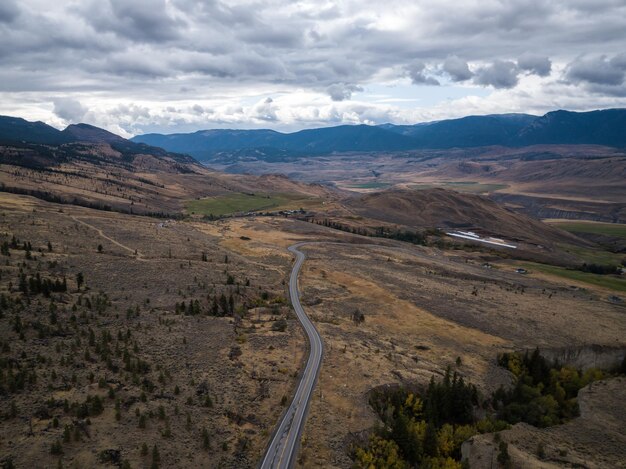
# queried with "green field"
point(239, 202)
point(593, 256)
point(461, 186)
point(608, 229)
point(606, 281)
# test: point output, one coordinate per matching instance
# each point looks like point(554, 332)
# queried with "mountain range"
point(604, 127)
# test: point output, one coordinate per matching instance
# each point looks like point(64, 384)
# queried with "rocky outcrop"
point(587, 356)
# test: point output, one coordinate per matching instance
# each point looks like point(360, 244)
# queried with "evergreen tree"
point(224, 305)
point(431, 445)
point(205, 439)
point(156, 458)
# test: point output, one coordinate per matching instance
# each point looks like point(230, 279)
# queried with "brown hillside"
point(608, 169)
point(588, 172)
point(443, 208)
point(99, 175)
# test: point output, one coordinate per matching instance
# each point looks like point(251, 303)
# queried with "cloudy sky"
point(136, 66)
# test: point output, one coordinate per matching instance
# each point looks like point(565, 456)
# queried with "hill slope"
point(449, 210)
point(37, 144)
point(89, 133)
point(89, 166)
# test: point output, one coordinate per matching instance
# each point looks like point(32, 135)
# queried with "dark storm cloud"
point(418, 74)
point(600, 75)
point(499, 74)
point(307, 43)
point(457, 69)
point(138, 20)
point(8, 11)
point(342, 91)
point(273, 37)
point(69, 109)
point(537, 64)
point(598, 70)
point(131, 63)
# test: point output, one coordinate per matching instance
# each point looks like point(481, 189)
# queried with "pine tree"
point(205, 439)
point(431, 445)
point(156, 458)
point(224, 305)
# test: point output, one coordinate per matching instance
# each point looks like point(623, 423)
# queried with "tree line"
point(36, 285)
point(413, 237)
point(219, 306)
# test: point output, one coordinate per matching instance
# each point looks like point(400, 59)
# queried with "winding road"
point(283, 448)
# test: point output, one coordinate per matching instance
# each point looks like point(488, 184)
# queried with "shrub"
point(279, 325)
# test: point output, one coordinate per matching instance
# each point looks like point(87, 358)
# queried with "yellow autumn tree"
point(445, 440)
point(380, 454)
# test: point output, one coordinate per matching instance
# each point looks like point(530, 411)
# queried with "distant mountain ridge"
point(90, 133)
point(604, 127)
point(42, 144)
point(345, 138)
point(18, 130)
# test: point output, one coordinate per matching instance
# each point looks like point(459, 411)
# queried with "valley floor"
point(231, 374)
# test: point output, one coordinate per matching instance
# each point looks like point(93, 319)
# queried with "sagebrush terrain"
point(145, 318)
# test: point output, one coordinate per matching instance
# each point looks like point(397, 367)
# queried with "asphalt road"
point(283, 448)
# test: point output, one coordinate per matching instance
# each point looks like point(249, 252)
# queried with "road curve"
point(283, 448)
